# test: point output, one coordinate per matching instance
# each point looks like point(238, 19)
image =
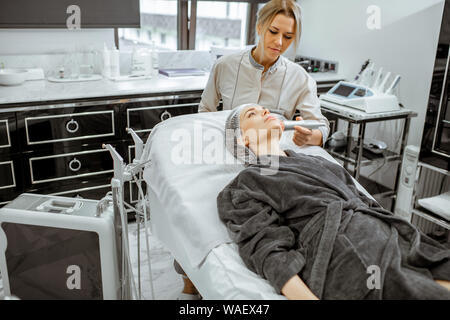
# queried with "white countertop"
point(42, 90)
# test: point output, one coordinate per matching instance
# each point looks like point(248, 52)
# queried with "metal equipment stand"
point(361, 118)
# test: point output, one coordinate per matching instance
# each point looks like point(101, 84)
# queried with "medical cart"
point(334, 112)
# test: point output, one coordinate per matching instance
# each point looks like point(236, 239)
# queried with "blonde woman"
point(263, 76)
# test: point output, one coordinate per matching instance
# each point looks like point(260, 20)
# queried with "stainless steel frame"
point(359, 162)
point(69, 177)
point(71, 115)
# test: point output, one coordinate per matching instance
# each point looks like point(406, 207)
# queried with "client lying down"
point(308, 230)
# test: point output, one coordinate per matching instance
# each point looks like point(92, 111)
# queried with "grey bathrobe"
point(310, 219)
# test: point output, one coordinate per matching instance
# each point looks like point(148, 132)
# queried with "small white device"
point(358, 96)
point(309, 124)
point(439, 204)
point(404, 199)
point(35, 74)
point(375, 146)
point(338, 139)
point(59, 248)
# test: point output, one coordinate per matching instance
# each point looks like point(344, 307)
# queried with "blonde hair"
point(289, 8)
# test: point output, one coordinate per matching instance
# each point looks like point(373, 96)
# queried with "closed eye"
point(276, 32)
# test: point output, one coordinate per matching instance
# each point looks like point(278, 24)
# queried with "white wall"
point(406, 45)
point(45, 41)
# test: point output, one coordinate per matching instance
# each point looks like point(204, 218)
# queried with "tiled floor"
point(167, 283)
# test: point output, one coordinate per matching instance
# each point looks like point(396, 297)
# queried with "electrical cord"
point(141, 197)
point(379, 167)
point(125, 246)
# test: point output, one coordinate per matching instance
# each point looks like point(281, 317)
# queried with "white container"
point(106, 62)
point(155, 60)
point(148, 64)
point(141, 62)
point(115, 63)
point(12, 77)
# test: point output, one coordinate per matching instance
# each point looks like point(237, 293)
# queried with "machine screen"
point(343, 90)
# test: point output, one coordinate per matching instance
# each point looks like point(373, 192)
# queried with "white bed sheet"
point(222, 275)
point(182, 224)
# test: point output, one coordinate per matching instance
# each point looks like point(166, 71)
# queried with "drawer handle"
point(72, 126)
point(165, 115)
point(74, 165)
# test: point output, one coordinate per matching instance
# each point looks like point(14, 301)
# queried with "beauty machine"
point(368, 94)
point(55, 247)
point(59, 248)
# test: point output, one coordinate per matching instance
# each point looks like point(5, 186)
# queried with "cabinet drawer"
point(8, 134)
point(70, 165)
point(8, 179)
point(67, 127)
point(5, 136)
point(143, 119)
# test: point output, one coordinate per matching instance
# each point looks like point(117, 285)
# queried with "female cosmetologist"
point(262, 76)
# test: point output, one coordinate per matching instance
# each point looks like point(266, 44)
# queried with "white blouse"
point(286, 86)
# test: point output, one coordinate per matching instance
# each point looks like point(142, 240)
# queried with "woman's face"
point(257, 123)
point(278, 37)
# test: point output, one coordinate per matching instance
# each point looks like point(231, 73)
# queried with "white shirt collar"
point(253, 62)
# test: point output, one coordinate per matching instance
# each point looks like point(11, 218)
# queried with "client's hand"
point(296, 289)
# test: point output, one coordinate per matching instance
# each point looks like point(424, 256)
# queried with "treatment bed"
point(188, 167)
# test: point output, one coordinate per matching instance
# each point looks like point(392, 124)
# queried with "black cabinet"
point(142, 115)
point(435, 147)
point(64, 125)
point(10, 159)
point(61, 147)
point(58, 148)
point(8, 134)
point(11, 183)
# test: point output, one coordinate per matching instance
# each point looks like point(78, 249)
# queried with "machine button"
point(408, 170)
